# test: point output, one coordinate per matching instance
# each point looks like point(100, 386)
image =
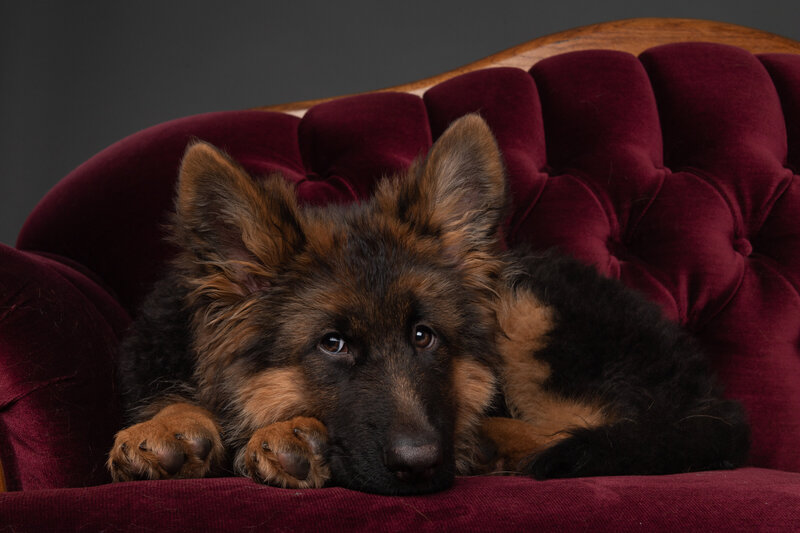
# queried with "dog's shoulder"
point(600, 330)
point(155, 355)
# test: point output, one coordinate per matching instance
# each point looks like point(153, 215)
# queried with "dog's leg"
point(710, 436)
point(181, 441)
point(288, 454)
point(509, 443)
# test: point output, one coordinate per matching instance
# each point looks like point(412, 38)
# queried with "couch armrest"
point(59, 331)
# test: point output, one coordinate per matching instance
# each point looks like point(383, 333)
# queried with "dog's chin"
point(386, 483)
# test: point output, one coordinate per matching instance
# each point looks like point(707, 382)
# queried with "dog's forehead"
point(359, 243)
point(371, 268)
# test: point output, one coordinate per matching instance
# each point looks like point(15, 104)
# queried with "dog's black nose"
point(413, 457)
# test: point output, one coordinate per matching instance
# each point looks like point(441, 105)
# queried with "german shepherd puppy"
point(389, 345)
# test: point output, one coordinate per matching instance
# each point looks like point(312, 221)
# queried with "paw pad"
point(183, 445)
point(288, 454)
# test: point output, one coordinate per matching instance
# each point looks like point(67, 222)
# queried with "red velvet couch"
point(676, 171)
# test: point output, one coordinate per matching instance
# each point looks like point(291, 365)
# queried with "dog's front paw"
point(289, 454)
point(181, 441)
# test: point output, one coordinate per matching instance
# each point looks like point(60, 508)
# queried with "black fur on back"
point(156, 358)
point(611, 346)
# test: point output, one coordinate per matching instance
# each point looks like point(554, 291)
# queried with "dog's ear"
point(229, 223)
point(458, 192)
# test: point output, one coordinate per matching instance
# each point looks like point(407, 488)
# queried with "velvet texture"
point(675, 172)
point(744, 500)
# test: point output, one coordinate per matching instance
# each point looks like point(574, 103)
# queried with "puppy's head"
point(370, 317)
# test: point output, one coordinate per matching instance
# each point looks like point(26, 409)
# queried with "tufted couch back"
point(676, 172)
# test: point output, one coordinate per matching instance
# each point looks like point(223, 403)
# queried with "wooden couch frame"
point(630, 35)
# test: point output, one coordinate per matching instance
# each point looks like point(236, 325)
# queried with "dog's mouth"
point(402, 470)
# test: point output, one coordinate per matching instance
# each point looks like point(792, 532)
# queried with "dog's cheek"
point(473, 385)
point(273, 395)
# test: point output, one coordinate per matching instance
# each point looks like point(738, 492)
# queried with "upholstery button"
point(616, 248)
point(743, 246)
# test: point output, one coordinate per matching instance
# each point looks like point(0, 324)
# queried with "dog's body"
point(368, 345)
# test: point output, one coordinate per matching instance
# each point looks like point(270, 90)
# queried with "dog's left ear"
point(458, 192)
point(228, 223)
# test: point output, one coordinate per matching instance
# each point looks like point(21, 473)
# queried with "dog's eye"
point(424, 338)
point(333, 344)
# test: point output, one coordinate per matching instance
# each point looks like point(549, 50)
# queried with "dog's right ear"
point(457, 193)
point(232, 224)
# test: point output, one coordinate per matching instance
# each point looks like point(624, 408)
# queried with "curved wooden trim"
point(2, 479)
point(630, 35)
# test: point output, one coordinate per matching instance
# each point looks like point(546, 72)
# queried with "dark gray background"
point(75, 76)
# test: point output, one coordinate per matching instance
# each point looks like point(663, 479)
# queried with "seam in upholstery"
point(346, 184)
point(14, 399)
point(613, 223)
point(531, 201)
point(272, 159)
point(79, 268)
point(651, 272)
point(86, 296)
point(761, 259)
point(769, 205)
point(603, 201)
point(736, 214)
point(634, 224)
point(7, 309)
point(774, 266)
point(698, 324)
